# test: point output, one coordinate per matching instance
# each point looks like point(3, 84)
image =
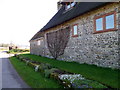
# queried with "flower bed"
point(67, 79)
point(78, 81)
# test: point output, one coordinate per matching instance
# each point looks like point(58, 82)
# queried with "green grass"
point(32, 78)
point(105, 76)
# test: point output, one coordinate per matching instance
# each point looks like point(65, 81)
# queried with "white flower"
point(36, 68)
point(71, 77)
point(68, 85)
point(27, 62)
point(63, 82)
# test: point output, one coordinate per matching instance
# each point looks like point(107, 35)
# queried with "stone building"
point(94, 30)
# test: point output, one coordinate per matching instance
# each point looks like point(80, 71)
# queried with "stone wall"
point(37, 49)
point(100, 49)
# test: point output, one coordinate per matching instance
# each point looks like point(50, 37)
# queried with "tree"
point(57, 41)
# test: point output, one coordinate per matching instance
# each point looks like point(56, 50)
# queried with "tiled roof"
point(37, 35)
point(62, 16)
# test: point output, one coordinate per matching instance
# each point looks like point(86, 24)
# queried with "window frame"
point(38, 42)
point(74, 35)
point(73, 4)
point(66, 7)
point(104, 23)
point(70, 5)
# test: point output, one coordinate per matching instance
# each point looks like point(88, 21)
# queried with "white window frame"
point(73, 30)
point(38, 42)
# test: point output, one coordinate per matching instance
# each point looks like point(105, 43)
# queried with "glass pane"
point(75, 30)
point(72, 4)
point(39, 42)
point(68, 6)
point(99, 24)
point(109, 21)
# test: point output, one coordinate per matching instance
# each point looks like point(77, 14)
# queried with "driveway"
point(9, 78)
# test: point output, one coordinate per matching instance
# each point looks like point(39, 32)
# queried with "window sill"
point(102, 31)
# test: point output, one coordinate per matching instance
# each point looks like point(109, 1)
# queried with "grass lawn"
point(105, 76)
point(32, 78)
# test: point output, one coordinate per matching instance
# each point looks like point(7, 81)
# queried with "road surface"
point(9, 78)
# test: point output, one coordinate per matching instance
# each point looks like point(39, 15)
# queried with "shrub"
point(49, 66)
point(17, 56)
point(31, 64)
point(48, 72)
point(44, 66)
point(21, 58)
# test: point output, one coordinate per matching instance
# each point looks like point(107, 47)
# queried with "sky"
point(21, 19)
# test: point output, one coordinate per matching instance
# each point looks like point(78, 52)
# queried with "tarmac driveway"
point(9, 78)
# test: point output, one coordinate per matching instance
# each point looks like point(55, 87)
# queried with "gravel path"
point(9, 78)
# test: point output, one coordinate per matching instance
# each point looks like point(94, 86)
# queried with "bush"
point(49, 66)
point(42, 67)
point(21, 58)
point(48, 72)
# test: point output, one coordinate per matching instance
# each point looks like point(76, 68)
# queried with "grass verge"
point(32, 78)
point(105, 76)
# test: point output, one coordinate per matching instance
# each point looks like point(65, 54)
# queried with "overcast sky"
point(21, 19)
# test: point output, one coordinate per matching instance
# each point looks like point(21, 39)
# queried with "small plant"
point(17, 56)
point(49, 66)
point(27, 62)
point(42, 67)
point(48, 72)
point(21, 58)
point(36, 68)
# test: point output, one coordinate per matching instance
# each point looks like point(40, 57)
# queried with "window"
point(105, 22)
point(99, 24)
point(70, 5)
point(110, 21)
point(67, 7)
point(75, 30)
point(38, 42)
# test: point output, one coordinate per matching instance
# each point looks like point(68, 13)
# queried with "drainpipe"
point(44, 43)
